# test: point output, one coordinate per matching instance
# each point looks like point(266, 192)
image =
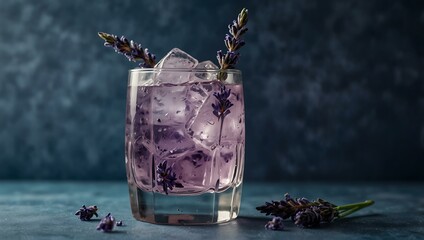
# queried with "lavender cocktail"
point(185, 145)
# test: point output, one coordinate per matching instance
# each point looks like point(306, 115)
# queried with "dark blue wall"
point(334, 89)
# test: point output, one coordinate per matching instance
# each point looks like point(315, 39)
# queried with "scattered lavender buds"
point(86, 213)
point(107, 223)
point(130, 49)
point(166, 177)
point(307, 213)
point(233, 41)
point(276, 224)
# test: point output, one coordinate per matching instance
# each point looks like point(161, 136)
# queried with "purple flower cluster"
point(130, 49)
point(86, 213)
point(302, 211)
point(222, 107)
point(166, 177)
point(107, 223)
point(308, 217)
point(233, 41)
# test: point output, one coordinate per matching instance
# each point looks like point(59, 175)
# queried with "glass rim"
point(233, 71)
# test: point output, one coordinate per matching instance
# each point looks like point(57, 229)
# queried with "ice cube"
point(169, 105)
point(209, 65)
point(176, 58)
point(171, 141)
point(197, 94)
point(206, 127)
point(194, 170)
point(201, 76)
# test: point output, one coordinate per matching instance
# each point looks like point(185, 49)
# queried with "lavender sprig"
point(233, 41)
point(222, 107)
point(130, 49)
point(166, 177)
point(307, 213)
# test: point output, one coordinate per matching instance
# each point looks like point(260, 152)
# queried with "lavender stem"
point(348, 209)
point(220, 130)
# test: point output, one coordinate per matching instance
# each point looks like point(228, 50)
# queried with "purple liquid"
point(176, 124)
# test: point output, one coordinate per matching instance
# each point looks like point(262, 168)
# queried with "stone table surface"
point(45, 210)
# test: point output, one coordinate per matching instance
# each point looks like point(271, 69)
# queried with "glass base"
point(206, 208)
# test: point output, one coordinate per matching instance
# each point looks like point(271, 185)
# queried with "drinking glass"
point(184, 145)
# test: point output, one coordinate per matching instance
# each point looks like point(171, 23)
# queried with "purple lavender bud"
point(233, 42)
point(219, 57)
point(231, 59)
point(130, 49)
point(166, 177)
point(303, 201)
point(86, 213)
point(107, 223)
point(327, 210)
point(240, 43)
point(242, 17)
point(230, 27)
point(243, 31)
point(149, 55)
point(119, 223)
point(307, 213)
point(221, 107)
point(124, 40)
point(276, 224)
point(308, 217)
point(228, 41)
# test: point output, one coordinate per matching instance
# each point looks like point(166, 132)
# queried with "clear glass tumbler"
point(184, 145)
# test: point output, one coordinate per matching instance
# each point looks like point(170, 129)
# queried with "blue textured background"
point(334, 89)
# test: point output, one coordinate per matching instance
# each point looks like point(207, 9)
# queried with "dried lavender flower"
point(276, 224)
point(227, 60)
point(233, 42)
point(308, 217)
point(284, 208)
point(309, 213)
point(328, 211)
point(130, 49)
point(107, 223)
point(166, 177)
point(119, 223)
point(86, 213)
point(221, 108)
